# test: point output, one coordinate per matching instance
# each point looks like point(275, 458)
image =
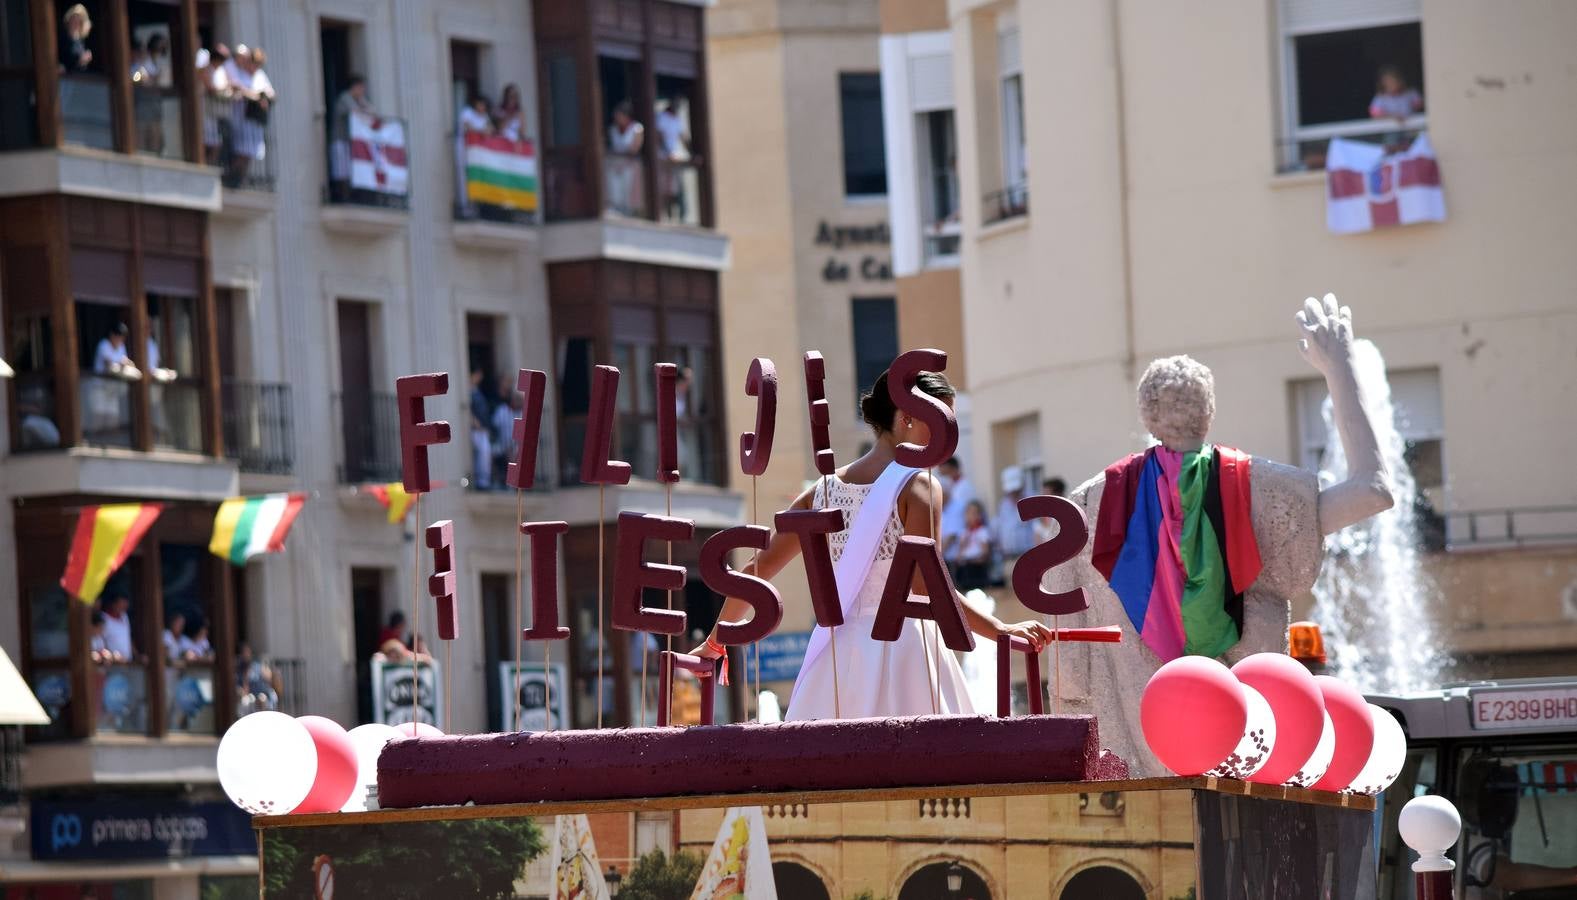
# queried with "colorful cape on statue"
point(1175, 541)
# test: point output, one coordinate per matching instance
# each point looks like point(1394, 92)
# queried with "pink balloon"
point(336, 766)
point(1294, 696)
point(422, 729)
point(1354, 726)
point(1193, 713)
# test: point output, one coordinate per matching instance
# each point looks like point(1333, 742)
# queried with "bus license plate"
point(1551, 708)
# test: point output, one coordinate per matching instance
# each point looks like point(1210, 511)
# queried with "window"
point(1333, 65)
point(939, 177)
point(1419, 425)
point(498, 603)
point(18, 124)
point(864, 158)
point(1014, 152)
point(875, 341)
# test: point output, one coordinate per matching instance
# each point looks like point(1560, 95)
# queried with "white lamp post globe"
point(1430, 825)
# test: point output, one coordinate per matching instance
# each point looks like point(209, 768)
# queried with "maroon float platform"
point(823, 755)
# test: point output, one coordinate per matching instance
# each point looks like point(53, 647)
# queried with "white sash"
point(859, 553)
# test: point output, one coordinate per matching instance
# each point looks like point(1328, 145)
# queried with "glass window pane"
point(1337, 71)
point(864, 158)
point(875, 340)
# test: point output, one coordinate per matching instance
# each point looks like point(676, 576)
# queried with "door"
point(366, 597)
point(355, 359)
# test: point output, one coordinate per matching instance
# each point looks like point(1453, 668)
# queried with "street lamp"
point(955, 879)
point(613, 879)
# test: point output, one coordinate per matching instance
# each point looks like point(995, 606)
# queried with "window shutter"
point(1306, 16)
point(1008, 62)
point(930, 82)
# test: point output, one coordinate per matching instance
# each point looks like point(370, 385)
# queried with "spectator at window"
point(394, 631)
point(481, 437)
point(474, 119)
point(195, 644)
point(38, 431)
point(510, 119)
point(1393, 99)
point(74, 28)
point(974, 550)
point(98, 651)
point(258, 684)
point(1013, 535)
point(957, 494)
point(253, 99)
point(149, 73)
point(111, 356)
point(216, 92)
point(117, 628)
point(174, 637)
point(673, 145)
point(351, 100)
point(504, 413)
point(625, 137)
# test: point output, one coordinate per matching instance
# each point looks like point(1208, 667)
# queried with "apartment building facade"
point(1175, 160)
point(285, 267)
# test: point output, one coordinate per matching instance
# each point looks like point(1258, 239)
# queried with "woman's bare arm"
point(781, 551)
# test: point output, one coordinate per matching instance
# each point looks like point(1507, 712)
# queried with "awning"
point(18, 706)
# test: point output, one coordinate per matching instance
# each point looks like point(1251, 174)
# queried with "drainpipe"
point(1129, 361)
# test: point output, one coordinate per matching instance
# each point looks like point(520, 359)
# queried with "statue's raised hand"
point(1327, 334)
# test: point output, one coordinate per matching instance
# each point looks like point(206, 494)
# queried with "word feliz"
point(633, 574)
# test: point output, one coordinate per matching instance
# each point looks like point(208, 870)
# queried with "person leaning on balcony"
point(117, 628)
point(249, 112)
point(625, 137)
point(509, 120)
point(74, 28)
point(174, 635)
point(112, 358)
point(351, 100)
point(216, 89)
point(474, 118)
point(510, 402)
point(481, 439)
point(1393, 99)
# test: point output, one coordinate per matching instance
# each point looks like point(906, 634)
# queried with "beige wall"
point(902, 16)
point(779, 163)
point(1157, 225)
point(930, 314)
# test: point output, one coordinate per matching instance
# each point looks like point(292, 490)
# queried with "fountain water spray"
point(1374, 601)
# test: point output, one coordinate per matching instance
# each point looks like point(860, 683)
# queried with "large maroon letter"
point(667, 422)
point(632, 573)
point(416, 433)
point(936, 415)
point(820, 413)
point(1072, 531)
point(522, 471)
point(755, 447)
point(812, 527)
point(440, 584)
point(941, 605)
point(595, 466)
point(544, 580)
point(758, 592)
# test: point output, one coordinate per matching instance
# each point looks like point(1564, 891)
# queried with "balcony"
point(369, 437)
point(259, 431)
point(368, 188)
point(496, 192)
point(1305, 150)
point(1008, 203)
point(941, 241)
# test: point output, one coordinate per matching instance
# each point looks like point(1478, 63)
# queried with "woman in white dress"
point(850, 675)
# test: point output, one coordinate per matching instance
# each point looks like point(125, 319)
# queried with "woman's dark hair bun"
point(877, 407)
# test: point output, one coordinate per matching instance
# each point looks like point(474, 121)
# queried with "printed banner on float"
point(392, 686)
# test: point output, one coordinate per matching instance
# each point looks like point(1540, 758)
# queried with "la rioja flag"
point(1367, 188)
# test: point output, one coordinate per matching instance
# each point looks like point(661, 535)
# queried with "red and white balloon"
point(1255, 748)
point(1386, 759)
point(1194, 714)
point(1313, 768)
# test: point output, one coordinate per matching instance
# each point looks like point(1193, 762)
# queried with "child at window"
point(974, 552)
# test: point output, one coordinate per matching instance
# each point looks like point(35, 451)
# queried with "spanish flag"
point(394, 499)
point(105, 536)
point(248, 526)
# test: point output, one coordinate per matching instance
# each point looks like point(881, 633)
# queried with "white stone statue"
point(1290, 515)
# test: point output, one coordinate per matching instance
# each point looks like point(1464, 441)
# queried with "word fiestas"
point(634, 575)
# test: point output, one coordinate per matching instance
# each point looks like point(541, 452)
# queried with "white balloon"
point(1314, 769)
point(368, 741)
point(267, 763)
point(1386, 759)
point(1259, 738)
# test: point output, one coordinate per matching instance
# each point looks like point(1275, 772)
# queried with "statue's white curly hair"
point(1177, 401)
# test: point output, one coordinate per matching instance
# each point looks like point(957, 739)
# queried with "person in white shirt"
point(117, 628)
point(957, 494)
point(111, 357)
point(174, 637)
point(1046, 529)
point(250, 111)
point(974, 552)
point(474, 119)
point(625, 137)
point(1013, 535)
point(673, 145)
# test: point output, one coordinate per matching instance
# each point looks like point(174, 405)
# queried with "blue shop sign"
point(781, 655)
point(141, 828)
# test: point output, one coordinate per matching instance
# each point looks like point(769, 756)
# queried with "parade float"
point(1253, 781)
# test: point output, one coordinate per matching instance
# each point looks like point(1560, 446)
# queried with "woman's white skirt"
point(916, 675)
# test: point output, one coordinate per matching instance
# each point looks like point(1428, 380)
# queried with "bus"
point(1505, 753)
